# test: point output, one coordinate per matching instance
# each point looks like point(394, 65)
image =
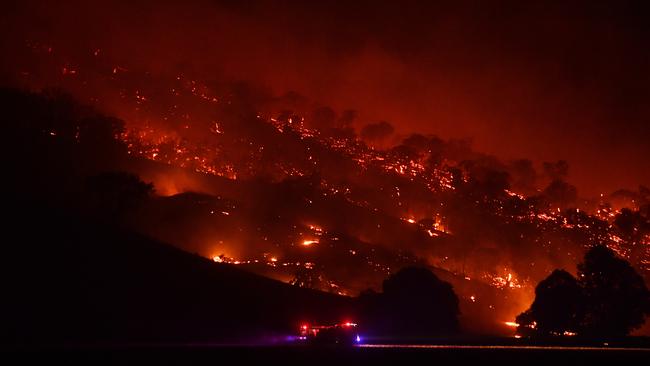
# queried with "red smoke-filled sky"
point(543, 80)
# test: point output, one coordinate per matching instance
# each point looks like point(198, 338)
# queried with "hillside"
point(66, 279)
point(314, 206)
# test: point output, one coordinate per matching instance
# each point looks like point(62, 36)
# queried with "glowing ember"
point(315, 228)
point(506, 282)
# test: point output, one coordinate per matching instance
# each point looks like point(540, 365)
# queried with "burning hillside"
point(286, 188)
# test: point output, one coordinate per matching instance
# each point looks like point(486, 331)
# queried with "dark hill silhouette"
point(68, 280)
point(87, 172)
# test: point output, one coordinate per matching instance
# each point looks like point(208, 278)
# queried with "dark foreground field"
point(299, 355)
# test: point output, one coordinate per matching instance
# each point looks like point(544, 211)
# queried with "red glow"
point(360, 206)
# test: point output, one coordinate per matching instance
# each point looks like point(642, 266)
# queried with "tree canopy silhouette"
point(560, 193)
point(609, 299)
point(414, 302)
point(616, 297)
point(556, 306)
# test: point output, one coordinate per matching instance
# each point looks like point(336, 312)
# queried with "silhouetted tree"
point(418, 142)
point(343, 127)
point(523, 176)
point(633, 226)
point(436, 152)
point(609, 299)
point(616, 297)
point(405, 153)
point(414, 302)
point(484, 182)
point(556, 306)
point(560, 193)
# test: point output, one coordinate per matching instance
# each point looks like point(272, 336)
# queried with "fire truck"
point(344, 334)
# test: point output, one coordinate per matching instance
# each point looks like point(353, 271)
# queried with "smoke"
point(556, 171)
point(377, 132)
point(206, 78)
point(516, 85)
